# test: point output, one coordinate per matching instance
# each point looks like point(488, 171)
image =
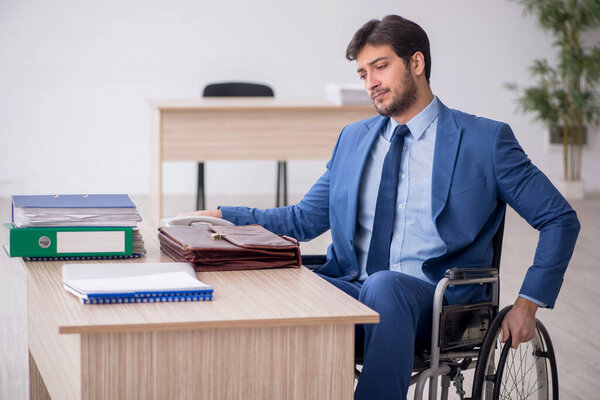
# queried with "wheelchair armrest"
point(455, 274)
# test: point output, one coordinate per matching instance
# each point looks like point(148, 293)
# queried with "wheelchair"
point(469, 336)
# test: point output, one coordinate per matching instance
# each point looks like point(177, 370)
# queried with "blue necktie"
point(385, 210)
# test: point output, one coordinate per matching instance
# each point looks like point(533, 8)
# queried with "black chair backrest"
point(497, 244)
point(237, 89)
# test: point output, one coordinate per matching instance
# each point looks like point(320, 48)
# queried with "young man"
point(413, 192)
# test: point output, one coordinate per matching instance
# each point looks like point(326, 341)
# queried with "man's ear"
point(417, 62)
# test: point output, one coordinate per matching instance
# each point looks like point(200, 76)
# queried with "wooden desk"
point(270, 334)
point(243, 129)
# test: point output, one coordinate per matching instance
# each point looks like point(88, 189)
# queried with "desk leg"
point(37, 387)
point(156, 195)
point(200, 197)
point(281, 195)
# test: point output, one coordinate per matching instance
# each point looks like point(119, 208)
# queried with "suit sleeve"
point(303, 221)
point(526, 189)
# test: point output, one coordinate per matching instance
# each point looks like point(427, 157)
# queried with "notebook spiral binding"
point(159, 299)
point(82, 258)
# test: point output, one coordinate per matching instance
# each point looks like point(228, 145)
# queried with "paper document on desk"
point(74, 210)
point(134, 283)
point(348, 94)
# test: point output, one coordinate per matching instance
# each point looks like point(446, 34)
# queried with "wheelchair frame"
point(444, 364)
point(456, 276)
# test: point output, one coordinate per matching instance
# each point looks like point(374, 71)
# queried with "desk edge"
point(371, 318)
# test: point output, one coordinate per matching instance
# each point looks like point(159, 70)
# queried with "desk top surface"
point(250, 102)
point(262, 298)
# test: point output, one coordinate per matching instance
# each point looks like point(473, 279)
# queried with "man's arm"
point(303, 221)
point(527, 190)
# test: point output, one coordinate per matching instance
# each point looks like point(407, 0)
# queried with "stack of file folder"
point(134, 283)
point(74, 227)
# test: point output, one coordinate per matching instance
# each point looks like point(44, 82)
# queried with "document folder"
point(70, 242)
point(74, 201)
point(74, 210)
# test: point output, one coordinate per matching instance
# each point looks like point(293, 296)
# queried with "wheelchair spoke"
point(512, 373)
point(520, 376)
point(527, 372)
point(520, 382)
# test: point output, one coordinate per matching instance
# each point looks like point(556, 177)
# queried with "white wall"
point(75, 76)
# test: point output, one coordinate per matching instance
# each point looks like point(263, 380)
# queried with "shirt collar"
point(420, 122)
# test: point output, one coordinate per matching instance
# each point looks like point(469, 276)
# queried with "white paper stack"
point(74, 210)
point(348, 94)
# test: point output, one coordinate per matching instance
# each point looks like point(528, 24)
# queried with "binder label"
point(90, 242)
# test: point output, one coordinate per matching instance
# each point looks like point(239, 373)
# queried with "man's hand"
point(519, 322)
point(206, 213)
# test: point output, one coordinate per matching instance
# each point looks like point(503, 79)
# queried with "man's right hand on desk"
point(206, 213)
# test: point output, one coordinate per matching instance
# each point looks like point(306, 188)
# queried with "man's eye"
point(363, 76)
point(382, 66)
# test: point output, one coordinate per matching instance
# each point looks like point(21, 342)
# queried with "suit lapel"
point(446, 148)
point(364, 142)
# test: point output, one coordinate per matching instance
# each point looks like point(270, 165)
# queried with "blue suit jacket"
point(478, 167)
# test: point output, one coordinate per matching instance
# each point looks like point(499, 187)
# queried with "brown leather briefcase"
point(227, 248)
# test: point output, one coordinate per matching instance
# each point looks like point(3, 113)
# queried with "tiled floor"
point(572, 324)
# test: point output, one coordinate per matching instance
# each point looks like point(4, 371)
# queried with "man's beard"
point(403, 101)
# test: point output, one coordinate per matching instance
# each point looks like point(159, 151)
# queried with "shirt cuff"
point(536, 301)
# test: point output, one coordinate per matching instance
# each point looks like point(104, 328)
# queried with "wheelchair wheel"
point(528, 372)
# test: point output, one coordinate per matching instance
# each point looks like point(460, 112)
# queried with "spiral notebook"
point(134, 283)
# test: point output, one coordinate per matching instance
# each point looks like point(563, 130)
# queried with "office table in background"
point(248, 128)
point(268, 334)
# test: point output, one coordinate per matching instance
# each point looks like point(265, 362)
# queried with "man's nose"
point(372, 83)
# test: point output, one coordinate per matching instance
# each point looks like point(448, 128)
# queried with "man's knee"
point(397, 295)
point(389, 280)
point(387, 286)
point(380, 282)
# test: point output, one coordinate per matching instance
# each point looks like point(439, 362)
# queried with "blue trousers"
point(404, 305)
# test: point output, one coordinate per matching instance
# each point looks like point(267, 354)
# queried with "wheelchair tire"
point(528, 372)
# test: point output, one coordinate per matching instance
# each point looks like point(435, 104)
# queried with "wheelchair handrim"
point(524, 374)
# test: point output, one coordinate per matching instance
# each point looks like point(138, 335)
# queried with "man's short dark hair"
point(403, 35)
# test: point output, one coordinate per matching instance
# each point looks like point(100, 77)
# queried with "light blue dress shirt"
point(415, 237)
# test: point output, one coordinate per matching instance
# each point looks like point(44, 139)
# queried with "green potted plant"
point(565, 96)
